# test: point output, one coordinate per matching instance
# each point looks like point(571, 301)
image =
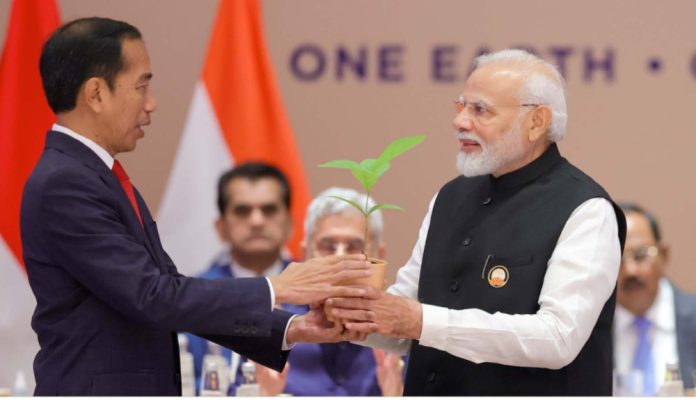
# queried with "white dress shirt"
point(662, 334)
point(580, 278)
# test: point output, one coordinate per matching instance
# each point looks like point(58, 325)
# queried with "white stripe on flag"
point(188, 210)
point(18, 342)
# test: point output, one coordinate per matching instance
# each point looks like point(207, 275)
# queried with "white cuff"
point(435, 325)
point(286, 345)
point(270, 287)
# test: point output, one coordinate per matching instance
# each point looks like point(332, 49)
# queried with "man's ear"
point(540, 122)
point(221, 229)
point(664, 255)
point(290, 228)
point(92, 92)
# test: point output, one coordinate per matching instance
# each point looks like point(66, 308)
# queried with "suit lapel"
point(86, 156)
point(685, 312)
point(151, 238)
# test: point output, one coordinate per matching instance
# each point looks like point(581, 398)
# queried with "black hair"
point(630, 207)
point(251, 171)
point(80, 50)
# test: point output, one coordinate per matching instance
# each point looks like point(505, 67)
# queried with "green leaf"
point(350, 202)
point(366, 177)
point(384, 206)
point(346, 164)
point(377, 168)
point(398, 147)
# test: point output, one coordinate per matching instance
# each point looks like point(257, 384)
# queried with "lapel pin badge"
point(498, 276)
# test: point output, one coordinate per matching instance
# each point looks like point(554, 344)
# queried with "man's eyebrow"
point(475, 99)
point(146, 76)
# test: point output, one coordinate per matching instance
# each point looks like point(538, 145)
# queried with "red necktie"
point(122, 176)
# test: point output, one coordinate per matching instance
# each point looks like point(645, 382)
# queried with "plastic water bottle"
point(674, 386)
point(188, 383)
point(20, 385)
point(210, 379)
point(249, 388)
point(214, 355)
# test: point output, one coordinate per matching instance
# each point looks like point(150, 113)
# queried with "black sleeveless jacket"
point(514, 221)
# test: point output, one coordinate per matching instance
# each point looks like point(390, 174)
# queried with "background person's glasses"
point(243, 211)
point(482, 112)
point(641, 254)
point(326, 247)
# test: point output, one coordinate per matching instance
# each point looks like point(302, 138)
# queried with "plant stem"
point(367, 221)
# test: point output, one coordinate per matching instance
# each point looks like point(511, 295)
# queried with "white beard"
point(493, 156)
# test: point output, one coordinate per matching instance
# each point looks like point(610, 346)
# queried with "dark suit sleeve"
point(83, 229)
point(252, 347)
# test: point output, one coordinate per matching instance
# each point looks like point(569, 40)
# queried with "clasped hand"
point(377, 311)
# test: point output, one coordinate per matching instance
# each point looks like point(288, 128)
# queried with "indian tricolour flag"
point(24, 119)
point(236, 115)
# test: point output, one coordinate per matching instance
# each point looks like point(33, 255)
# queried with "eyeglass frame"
point(346, 246)
point(461, 104)
point(651, 252)
point(243, 211)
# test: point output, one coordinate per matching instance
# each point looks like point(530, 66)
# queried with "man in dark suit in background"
point(655, 322)
point(254, 203)
point(109, 298)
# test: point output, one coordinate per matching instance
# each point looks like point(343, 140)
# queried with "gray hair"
point(538, 88)
point(326, 205)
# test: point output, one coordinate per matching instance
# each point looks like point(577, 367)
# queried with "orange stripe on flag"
point(246, 100)
point(24, 112)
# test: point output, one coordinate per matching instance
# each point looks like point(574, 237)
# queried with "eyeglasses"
point(641, 254)
point(328, 246)
point(482, 112)
point(243, 211)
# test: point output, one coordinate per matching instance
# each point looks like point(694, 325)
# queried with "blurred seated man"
point(255, 223)
point(254, 205)
point(655, 322)
point(333, 227)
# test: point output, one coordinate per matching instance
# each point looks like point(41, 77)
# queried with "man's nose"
point(630, 267)
point(462, 122)
point(340, 249)
point(150, 104)
point(256, 217)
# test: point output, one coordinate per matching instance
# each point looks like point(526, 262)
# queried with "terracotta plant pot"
point(375, 280)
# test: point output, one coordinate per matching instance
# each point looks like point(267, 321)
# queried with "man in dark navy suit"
point(109, 298)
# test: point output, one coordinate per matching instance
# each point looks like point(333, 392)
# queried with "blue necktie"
point(643, 357)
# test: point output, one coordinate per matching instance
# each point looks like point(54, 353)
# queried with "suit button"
point(236, 330)
point(455, 286)
point(466, 241)
point(254, 330)
point(487, 201)
point(432, 376)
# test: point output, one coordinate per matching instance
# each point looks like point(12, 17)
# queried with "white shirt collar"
point(101, 152)
point(660, 314)
point(239, 271)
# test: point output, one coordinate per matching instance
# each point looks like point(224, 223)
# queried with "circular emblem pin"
point(498, 276)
